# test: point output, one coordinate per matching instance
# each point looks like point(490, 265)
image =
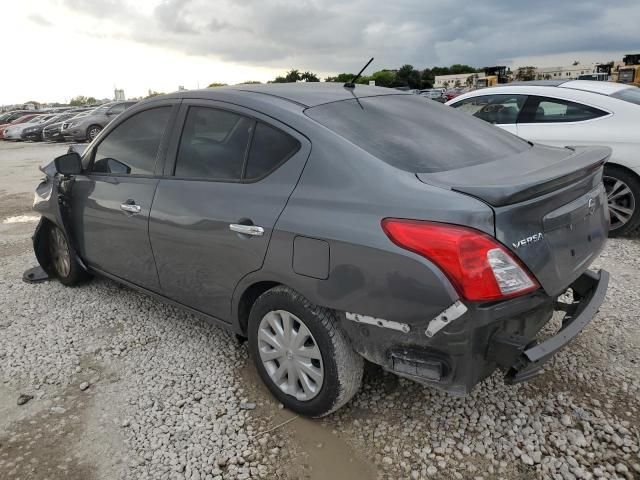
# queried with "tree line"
point(405, 76)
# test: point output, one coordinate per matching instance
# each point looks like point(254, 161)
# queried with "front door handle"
point(130, 208)
point(253, 230)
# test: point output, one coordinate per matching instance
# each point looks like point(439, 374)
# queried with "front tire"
point(301, 354)
point(63, 262)
point(93, 131)
point(623, 196)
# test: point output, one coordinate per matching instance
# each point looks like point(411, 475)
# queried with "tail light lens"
point(479, 267)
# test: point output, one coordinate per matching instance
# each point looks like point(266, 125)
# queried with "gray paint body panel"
point(333, 192)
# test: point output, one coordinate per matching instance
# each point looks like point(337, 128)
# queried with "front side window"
point(214, 144)
point(496, 109)
point(117, 109)
point(132, 147)
point(554, 110)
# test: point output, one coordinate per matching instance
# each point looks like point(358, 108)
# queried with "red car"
point(18, 120)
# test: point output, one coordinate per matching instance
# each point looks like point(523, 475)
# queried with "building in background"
point(457, 80)
point(118, 94)
point(566, 72)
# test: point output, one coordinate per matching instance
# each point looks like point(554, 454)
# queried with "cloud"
point(39, 20)
point(333, 35)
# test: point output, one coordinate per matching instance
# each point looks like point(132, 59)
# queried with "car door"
point(229, 175)
point(501, 110)
point(112, 199)
point(560, 122)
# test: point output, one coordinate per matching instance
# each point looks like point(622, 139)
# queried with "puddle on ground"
point(325, 454)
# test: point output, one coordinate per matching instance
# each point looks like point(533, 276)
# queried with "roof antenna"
point(351, 83)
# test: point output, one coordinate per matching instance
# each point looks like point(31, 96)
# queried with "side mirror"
point(68, 164)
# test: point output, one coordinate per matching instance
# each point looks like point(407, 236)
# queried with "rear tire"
point(63, 261)
point(312, 379)
point(623, 195)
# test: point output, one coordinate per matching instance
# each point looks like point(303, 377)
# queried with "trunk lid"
point(549, 204)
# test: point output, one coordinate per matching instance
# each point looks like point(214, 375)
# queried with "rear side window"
point(131, 148)
point(495, 109)
point(270, 148)
point(214, 144)
point(416, 134)
point(554, 110)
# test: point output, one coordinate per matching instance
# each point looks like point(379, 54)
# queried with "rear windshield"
point(416, 134)
point(631, 95)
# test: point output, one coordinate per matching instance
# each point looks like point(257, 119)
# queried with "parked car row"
point(76, 125)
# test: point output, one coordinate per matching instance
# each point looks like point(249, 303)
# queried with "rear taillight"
point(479, 267)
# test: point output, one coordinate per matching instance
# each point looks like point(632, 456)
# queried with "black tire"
point(63, 261)
point(92, 132)
point(614, 173)
point(342, 366)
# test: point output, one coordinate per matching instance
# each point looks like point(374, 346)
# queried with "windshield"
point(416, 134)
point(631, 95)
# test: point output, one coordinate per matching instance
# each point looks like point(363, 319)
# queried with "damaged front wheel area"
point(64, 264)
point(56, 256)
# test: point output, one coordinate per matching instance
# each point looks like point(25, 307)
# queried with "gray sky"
point(89, 46)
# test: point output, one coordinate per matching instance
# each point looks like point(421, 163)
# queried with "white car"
point(571, 113)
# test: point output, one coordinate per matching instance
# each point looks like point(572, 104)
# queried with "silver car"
point(87, 125)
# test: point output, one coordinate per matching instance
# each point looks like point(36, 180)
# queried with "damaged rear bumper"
point(525, 359)
point(456, 356)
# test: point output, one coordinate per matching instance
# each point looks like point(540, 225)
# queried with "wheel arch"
point(248, 297)
point(628, 170)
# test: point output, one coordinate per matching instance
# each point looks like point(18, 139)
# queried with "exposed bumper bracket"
point(444, 318)
point(591, 289)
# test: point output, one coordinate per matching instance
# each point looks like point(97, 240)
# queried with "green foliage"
point(215, 84)
point(525, 73)
point(341, 78)
point(251, 82)
point(309, 77)
point(405, 76)
point(383, 78)
point(91, 100)
point(154, 94)
point(294, 75)
point(78, 101)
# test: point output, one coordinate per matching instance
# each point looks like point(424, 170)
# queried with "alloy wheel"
point(59, 253)
point(93, 133)
point(621, 201)
point(290, 355)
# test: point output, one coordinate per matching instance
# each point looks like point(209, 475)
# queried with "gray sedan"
point(86, 125)
point(331, 224)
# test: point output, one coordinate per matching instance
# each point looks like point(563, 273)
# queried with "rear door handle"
point(253, 230)
point(131, 208)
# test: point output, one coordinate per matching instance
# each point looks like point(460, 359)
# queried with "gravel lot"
point(126, 387)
